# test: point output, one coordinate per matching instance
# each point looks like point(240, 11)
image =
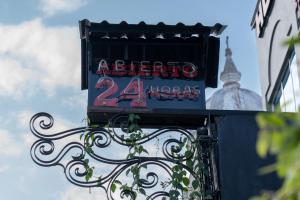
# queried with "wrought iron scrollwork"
point(70, 156)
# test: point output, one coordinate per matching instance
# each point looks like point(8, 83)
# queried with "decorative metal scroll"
point(48, 151)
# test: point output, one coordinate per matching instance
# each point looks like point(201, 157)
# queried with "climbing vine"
point(180, 185)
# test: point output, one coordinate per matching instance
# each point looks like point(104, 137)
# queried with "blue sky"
point(40, 71)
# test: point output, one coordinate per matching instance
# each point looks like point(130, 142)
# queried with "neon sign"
point(159, 71)
point(136, 83)
point(148, 69)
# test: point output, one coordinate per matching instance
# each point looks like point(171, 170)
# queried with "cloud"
point(77, 100)
point(75, 193)
point(36, 58)
point(51, 7)
point(23, 117)
point(8, 144)
point(13, 77)
point(4, 168)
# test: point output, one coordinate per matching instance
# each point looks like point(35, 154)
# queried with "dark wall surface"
point(238, 161)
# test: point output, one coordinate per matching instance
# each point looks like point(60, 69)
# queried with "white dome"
point(234, 98)
point(231, 96)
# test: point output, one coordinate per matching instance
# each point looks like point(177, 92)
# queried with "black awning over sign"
point(138, 41)
point(148, 67)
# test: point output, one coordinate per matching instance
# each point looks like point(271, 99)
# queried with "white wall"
point(283, 14)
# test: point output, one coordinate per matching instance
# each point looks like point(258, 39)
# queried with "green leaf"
point(89, 174)
point(144, 166)
point(292, 41)
point(174, 194)
point(125, 187)
point(86, 137)
point(113, 187)
point(183, 173)
point(135, 170)
point(185, 189)
point(127, 172)
point(175, 183)
point(94, 126)
point(267, 169)
point(195, 195)
point(195, 184)
point(259, 198)
point(137, 117)
point(142, 149)
point(188, 154)
point(142, 191)
point(81, 135)
point(176, 168)
point(89, 149)
point(86, 161)
point(130, 155)
point(190, 164)
point(262, 144)
point(186, 181)
point(132, 128)
point(118, 182)
point(131, 117)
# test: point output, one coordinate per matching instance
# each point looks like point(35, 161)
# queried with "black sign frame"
point(106, 49)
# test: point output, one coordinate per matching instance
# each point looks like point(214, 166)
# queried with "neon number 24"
point(101, 99)
point(134, 91)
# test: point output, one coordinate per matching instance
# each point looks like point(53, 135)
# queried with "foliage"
point(178, 184)
point(292, 41)
point(180, 180)
point(280, 136)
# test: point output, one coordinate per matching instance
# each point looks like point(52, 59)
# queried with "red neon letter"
point(132, 69)
point(174, 68)
point(189, 70)
point(145, 69)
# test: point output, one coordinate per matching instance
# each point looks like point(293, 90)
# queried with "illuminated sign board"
point(147, 69)
point(146, 84)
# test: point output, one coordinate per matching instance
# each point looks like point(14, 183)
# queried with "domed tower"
point(232, 96)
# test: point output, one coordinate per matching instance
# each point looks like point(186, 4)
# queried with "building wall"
point(280, 22)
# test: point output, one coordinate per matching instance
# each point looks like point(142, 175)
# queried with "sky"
point(40, 72)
